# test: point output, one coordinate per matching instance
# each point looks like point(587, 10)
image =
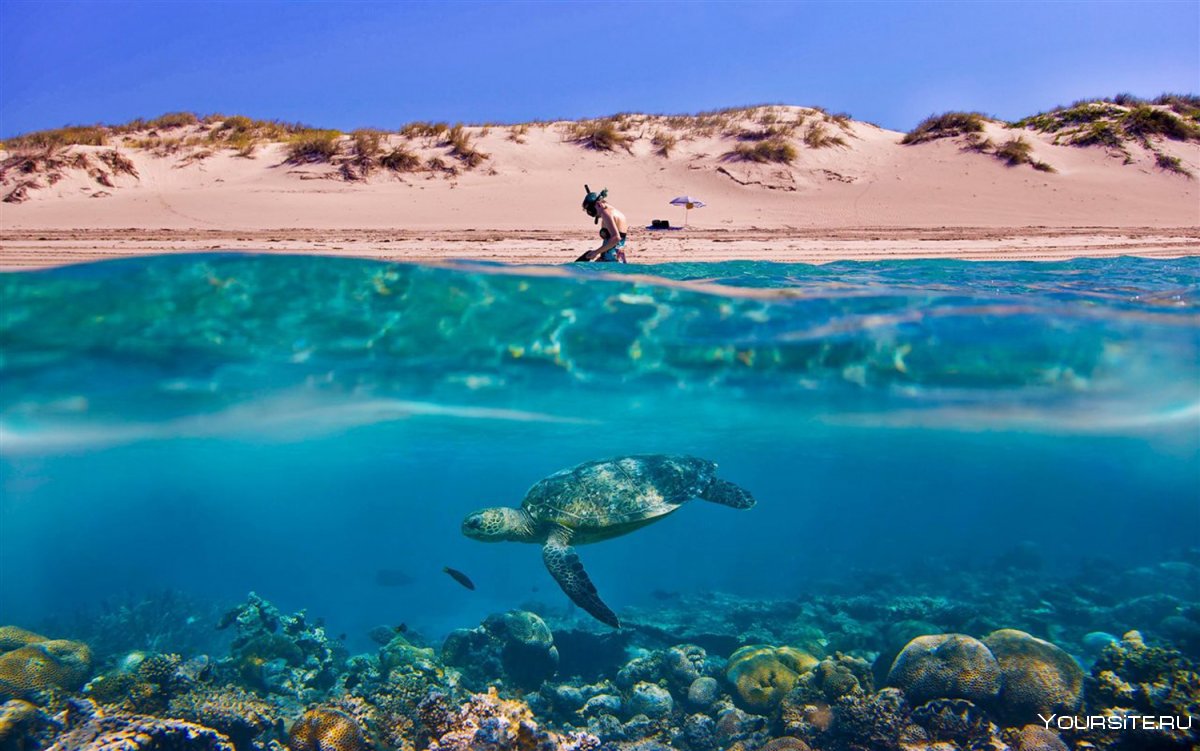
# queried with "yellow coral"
point(12, 637)
point(51, 664)
point(763, 674)
point(323, 729)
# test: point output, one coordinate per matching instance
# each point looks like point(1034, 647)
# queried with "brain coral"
point(49, 664)
point(12, 638)
point(763, 675)
point(323, 729)
point(945, 666)
point(1037, 676)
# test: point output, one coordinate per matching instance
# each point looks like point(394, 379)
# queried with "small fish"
point(459, 577)
point(341, 637)
point(390, 577)
point(402, 628)
point(661, 594)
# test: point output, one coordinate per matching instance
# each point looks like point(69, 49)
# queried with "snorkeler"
point(613, 231)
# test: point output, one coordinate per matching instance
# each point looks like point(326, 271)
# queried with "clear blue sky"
point(354, 64)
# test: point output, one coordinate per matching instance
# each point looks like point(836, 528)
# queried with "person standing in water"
point(613, 231)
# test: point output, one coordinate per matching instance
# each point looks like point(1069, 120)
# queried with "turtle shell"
point(611, 493)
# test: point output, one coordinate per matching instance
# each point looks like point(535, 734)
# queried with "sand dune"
point(869, 197)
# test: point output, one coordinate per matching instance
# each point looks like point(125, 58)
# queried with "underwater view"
point(258, 502)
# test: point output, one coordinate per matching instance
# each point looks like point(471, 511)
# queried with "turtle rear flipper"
point(564, 565)
point(727, 494)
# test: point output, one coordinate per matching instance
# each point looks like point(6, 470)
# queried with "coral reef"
point(1131, 678)
point(282, 654)
point(324, 729)
point(945, 666)
point(516, 648)
point(89, 728)
point(43, 665)
point(21, 725)
point(488, 721)
point(1039, 738)
point(1037, 677)
point(763, 675)
point(248, 721)
point(14, 637)
point(284, 684)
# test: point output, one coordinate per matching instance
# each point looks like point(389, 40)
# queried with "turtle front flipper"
point(564, 565)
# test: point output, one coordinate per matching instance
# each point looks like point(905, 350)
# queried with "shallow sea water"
point(216, 424)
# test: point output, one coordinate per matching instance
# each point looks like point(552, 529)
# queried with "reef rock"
point(651, 700)
point(516, 648)
point(488, 722)
point(703, 692)
point(945, 666)
point(1131, 677)
point(249, 721)
point(281, 654)
point(88, 728)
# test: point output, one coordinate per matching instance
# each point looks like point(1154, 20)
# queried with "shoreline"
point(28, 249)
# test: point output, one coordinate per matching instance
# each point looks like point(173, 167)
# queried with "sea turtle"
point(598, 500)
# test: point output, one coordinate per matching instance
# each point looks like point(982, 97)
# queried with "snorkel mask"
point(590, 201)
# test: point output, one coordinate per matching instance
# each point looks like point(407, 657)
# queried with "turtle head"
point(497, 525)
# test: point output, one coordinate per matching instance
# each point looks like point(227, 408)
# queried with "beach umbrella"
point(688, 203)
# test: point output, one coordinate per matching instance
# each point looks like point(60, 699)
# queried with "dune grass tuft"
point(663, 143)
point(1115, 123)
point(517, 133)
point(1015, 151)
point(601, 135)
point(118, 163)
point(459, 141)
point(313, 147)
point(73, 135)
point(400, 159)
point(1172, 164)
point(777, 149)
point(945, 125)
point(424, 130)
point(172, 120)
point(817, 136)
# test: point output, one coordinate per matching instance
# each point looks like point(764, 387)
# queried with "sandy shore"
point(866, 196)
point(41, 248)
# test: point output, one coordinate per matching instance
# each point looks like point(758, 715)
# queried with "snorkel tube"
point(590, 200)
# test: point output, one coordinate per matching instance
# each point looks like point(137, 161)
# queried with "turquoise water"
point(216, 424)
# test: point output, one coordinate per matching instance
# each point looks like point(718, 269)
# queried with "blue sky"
point(381, 64)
